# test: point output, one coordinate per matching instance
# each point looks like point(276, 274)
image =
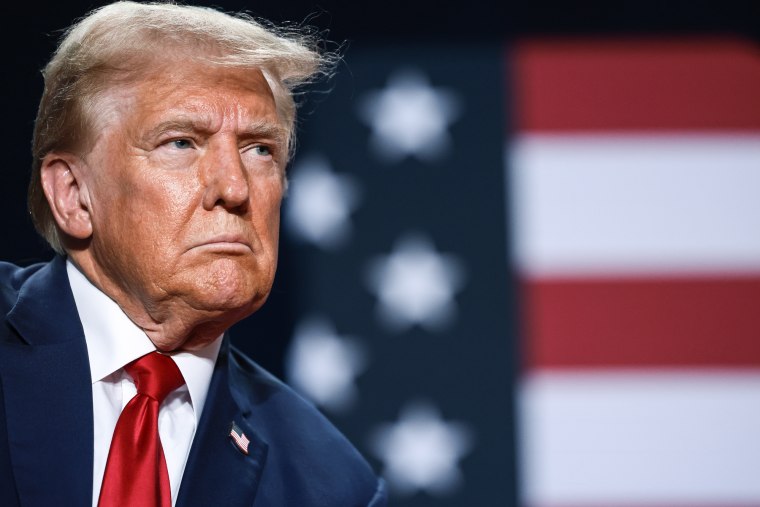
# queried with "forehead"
point(202, 90)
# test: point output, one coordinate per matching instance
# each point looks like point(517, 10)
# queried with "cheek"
point(271, 199)
point(162, 204)
point(146, 223)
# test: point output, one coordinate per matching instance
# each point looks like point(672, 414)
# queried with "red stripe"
point(627, 84)
point(642, 322)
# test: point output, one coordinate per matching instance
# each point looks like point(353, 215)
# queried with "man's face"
point(185, 183)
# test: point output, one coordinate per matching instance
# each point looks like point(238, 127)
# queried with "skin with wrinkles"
point(174, 213)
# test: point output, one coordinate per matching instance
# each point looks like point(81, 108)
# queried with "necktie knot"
point(155, 375)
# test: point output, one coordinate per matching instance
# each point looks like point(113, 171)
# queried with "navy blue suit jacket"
point(296, 458)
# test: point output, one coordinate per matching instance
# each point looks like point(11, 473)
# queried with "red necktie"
point(136, 473)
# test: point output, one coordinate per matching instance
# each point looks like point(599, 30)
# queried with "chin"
point(247, 302)
point(230, 290)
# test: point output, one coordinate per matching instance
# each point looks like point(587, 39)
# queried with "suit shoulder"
point(306, 448)
point(12, 277)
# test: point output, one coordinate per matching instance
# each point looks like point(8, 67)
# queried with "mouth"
point(231, 243)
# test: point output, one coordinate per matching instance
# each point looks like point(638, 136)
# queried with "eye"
point(262, 150)
point(182, 144)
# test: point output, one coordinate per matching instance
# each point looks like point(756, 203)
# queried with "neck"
point(173, 334)
point(169, 323)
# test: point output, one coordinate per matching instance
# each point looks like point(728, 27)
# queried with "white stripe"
point(636, 438)
point(617, 204)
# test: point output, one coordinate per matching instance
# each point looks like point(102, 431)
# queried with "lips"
point(225, 241)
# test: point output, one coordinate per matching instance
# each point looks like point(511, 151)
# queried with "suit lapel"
point(48, 393)
point(218, 472)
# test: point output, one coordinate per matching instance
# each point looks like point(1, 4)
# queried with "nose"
point(225, 178)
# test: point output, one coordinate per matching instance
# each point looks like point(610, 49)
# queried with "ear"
point(66, 192)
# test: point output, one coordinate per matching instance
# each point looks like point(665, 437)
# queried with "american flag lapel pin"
point(237, 436)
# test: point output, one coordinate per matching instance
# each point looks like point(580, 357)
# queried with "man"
point(159, 166)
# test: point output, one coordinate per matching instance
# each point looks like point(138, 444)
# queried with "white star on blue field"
point(323, 366)
point(320, 202)
point(421, 451)
point(409, 118)
point(415, 285)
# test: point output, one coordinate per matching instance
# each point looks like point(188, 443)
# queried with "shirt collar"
point(114, 341)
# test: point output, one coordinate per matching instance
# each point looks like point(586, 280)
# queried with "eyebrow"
point(266, 129)
point(260, 128)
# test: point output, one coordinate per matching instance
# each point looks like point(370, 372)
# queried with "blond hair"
point(118, 43)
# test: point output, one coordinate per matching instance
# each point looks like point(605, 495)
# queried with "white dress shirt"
point(114, 341)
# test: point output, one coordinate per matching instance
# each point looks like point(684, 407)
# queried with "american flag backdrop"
point(531, 274)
